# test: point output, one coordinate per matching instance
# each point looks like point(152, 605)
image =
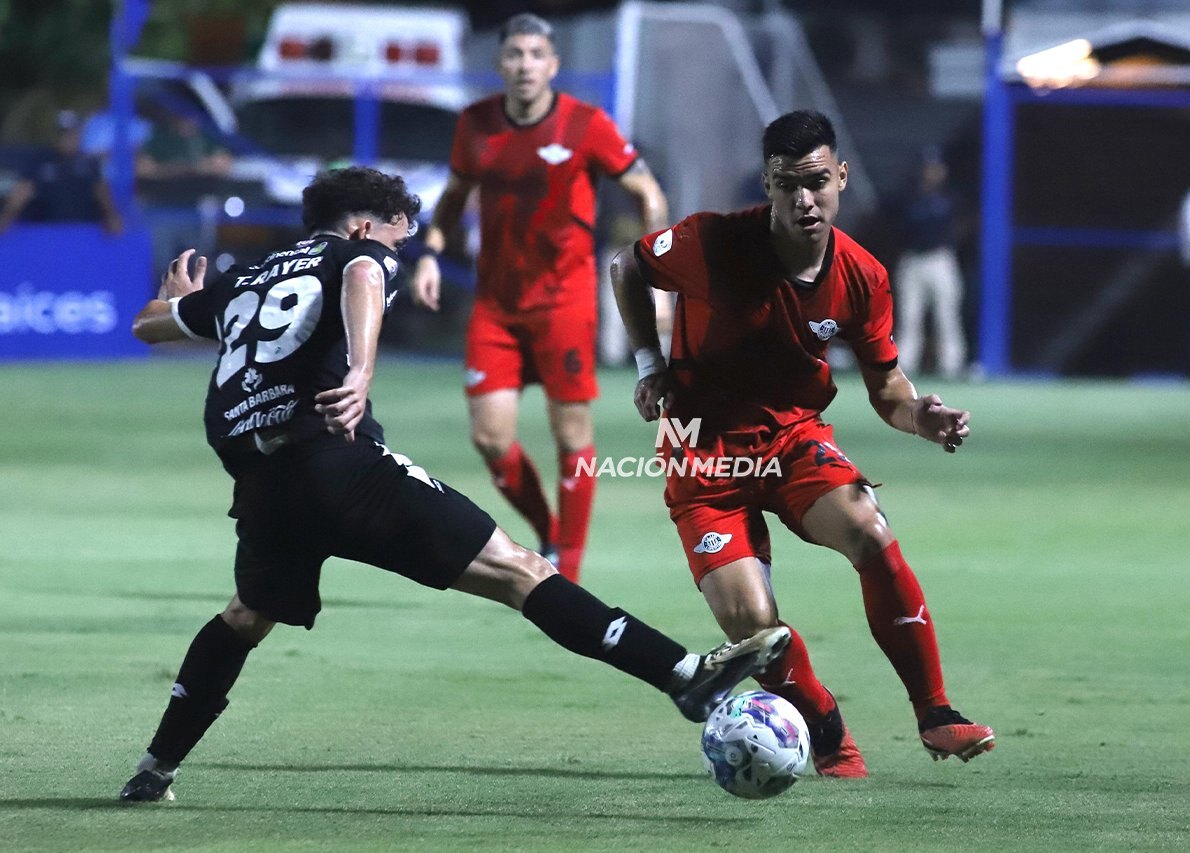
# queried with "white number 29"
point(298, 319)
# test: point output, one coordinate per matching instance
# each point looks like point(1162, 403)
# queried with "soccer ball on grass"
point(755, 745)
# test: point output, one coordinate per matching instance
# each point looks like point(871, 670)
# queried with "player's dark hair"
point(526, 24)
point(798, 133)
point(338, 193)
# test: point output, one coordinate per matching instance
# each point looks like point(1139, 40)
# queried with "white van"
point(298, 107)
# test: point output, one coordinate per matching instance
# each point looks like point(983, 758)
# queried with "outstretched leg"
point(578, 621)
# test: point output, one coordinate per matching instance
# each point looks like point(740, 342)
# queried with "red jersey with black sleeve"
point(537, 198)
point(749, 346)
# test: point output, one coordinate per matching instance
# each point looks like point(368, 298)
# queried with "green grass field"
point(1052, 550)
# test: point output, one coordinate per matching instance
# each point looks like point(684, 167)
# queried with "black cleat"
point(150, 784)
point(721, 669)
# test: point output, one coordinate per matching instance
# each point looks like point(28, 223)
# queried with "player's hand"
point(343, 408)
point(177, 281)
point(940, 424)
point(650, 391)
point(426, 286)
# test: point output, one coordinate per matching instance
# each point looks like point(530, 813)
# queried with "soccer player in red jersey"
point(535, 155)
point(761, 293)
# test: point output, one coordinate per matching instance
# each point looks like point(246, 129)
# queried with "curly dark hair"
point(798, 133)
point(338, 193)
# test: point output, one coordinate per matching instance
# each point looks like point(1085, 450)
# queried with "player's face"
point(528, 65)
point(805, 192)
point(393, 233)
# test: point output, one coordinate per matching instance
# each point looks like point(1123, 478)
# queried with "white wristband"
point(649, 360)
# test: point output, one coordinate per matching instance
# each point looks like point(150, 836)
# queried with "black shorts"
point(330, 498)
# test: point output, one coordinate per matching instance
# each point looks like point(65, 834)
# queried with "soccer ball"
point(755, 745)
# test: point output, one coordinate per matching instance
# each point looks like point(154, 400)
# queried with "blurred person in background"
point(761, 294)
point(63, 185)
point(178, 148)
point(535, 154)
point(927, 276)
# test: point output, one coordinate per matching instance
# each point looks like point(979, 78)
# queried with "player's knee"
point(745, 619)
point(491, 444)
point(519, 571)
point(246, 622)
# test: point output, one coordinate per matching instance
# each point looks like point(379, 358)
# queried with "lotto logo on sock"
point(615, 631)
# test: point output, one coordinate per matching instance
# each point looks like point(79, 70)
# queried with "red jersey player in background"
point(535, 155)
point(760, 295)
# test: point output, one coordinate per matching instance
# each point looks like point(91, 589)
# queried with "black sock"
point(580, 622)
point(208, 671)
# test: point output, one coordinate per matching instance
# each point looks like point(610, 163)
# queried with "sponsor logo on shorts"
point(555, 153)
point(712, 543)
point(663, 243)
point(825, 330)
point(473, 377)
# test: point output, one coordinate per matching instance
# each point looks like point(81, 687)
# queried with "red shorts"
point(555, 347)
point(721, 521)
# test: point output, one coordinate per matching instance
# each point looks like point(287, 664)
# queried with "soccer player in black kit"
point(287, 412)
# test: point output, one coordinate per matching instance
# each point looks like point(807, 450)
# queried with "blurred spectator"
point(63, 185)
point(99, 133)
point(927, 277)
point(178, 148)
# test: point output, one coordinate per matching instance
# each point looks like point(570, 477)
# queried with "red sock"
point(516, 477)
point(576, 493)
point(791, 677)
point(902, 625)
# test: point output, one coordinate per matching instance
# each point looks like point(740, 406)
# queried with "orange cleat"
point(844, 763)
point(833, 748)
point(946, 732)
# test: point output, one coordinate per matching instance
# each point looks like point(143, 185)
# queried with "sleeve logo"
point(663, 243)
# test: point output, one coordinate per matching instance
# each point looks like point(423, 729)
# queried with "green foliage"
point(1051, 549)
point(55, 43)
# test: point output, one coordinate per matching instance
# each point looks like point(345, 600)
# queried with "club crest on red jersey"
point(825, 330)
point(555, 153)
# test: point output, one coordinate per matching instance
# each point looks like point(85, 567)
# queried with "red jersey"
point(749, 346)
point(537, 198)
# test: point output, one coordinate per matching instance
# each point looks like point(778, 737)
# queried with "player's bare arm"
point(426, 285)
point(639, 182)
point(896, 401)
point(634, 298)
point(155, 323)
point(362, 305)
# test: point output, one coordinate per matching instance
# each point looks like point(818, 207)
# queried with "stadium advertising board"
point(71, 291)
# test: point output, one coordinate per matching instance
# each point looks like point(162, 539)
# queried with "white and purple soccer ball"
point(755, 745)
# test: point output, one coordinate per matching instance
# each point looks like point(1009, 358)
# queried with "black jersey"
point(281, 337)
